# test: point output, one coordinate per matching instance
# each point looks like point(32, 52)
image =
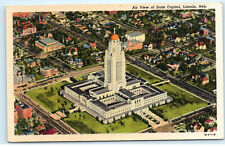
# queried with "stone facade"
point(112, 94)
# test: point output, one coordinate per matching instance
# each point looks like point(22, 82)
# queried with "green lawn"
point(142, 74)
point(39, 77)
point(81, 77)
point(86, 124)
point(49, 98)
point(183, 103)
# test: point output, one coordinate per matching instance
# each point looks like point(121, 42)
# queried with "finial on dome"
point(114, 30)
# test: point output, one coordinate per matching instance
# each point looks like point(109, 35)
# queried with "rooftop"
point(136, 33)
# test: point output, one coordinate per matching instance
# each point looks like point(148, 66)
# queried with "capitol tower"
point(114, 65)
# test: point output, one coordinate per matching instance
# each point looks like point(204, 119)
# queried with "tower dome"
point(114, 37)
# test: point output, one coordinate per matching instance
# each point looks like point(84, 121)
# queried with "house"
point(32, 63)
point(191, 55)
point(138, 36)
point(26, 28)
point(146, 57)
point(48, 44)
point(93, 45)
point(204, 80)
point(98, 59)
point(74, 50)
point(209, 39)
point(198, 127)
point(147, 45)
point(173, 66)
point(23, 110)
point(177, 40)
point(195, 77)
point(41, 127)
point(70, 60)
point(49, 71)
point(133, 45)
point(86, 46)
point(203, 61)
point(204, 31)
point(78, 63)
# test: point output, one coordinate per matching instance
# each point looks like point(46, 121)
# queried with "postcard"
point(115, 72)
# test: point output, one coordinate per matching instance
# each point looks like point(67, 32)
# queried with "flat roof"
point(136, 33)
point(100, 90)
point(126, 92)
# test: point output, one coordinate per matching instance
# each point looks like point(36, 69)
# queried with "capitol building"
point(112, 94)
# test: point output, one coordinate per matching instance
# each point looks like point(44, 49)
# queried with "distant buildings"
point(19, 76)
point(26, 28)
point(22, 14)
point(204, 31)
point(133, 45)
point(173, 66)
point(49, 71)
point(138, 36)
point(23, 110)
point(204, 78)
point(110, 12)
point(48, 44)
point(78, 63)
point(198, 127)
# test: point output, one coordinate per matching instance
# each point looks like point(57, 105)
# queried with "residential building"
point(79, 63)
point(49, 71)
point(204, 31)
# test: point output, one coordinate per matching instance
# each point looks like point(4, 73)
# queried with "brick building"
point(26, 28)
point(23, 110)
point(133, 45)
point(48, 44)
point(49, 71)
point(22, 14)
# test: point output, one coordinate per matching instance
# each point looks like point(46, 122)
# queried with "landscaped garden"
point(49, 97)
point(85, 123)
point(183, 103)
point(142, 74)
